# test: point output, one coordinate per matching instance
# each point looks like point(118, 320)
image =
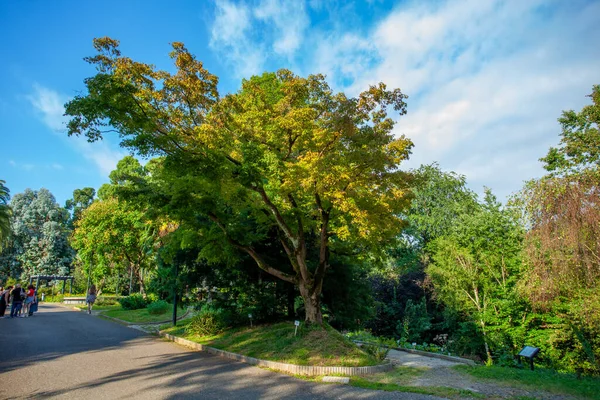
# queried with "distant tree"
point(284, 153)
point(39, 243)
point(82, 199)
point(476, 267)
point(5, 213)
point(111, 237)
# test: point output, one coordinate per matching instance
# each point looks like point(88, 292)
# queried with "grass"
point(544, 379)
point(138, 316)
point(398, 380)
point(99, 308)
point(314, 346)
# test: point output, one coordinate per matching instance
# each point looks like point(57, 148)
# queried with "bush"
point(158, 307)
point(106, 301)
point(133, 302)
point(53, 299)
point(210, 321)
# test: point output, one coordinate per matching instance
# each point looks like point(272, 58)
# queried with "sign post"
point(529, 353)
point(250, 316)
point(297, 323)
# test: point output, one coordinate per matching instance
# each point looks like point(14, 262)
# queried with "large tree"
point(284, 153)
point(111, 237)
point(476, 267)
point(562, 213)
point(39, 242)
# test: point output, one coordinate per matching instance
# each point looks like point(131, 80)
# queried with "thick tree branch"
point(278, 217)
point(262, 264)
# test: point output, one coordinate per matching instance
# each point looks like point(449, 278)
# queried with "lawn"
point(399, 379)
point(548, 380)
point(140, 316)
point(276, 342)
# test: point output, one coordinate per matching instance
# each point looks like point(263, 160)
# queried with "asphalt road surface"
point(61, 353)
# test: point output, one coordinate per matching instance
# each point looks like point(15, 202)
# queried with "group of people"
point(23, 302)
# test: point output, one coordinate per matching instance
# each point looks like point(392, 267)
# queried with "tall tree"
point(284, 153)
point(4, 213)
point(563, 240)
point(477, 265)
point(39, 243)
point(111, 237)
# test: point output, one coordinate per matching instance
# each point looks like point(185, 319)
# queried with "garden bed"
point(315, 346)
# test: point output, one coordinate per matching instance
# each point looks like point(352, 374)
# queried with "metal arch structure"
point(49, 278)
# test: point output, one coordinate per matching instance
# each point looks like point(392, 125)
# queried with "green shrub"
point(133, 302)
point(210, 321)
point(54, 299)
point(158, 307)
point(107, 301)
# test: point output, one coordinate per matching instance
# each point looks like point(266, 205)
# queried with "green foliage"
point(158, 307)
point(210, 321)
point(377, 350)
point(476, 269)
point(38, 244)
point(133, 302)
point(323, 166)
point(111, 236)
point(541, 378)
point(5, 213)
point(579, 148)
point(82, 199)
point(106, 301)
point(416, 321)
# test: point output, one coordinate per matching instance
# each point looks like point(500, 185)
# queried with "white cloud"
point(247, 35)
point(50, 106)
point(230, 38)
point(486, 80)
point(22, 166)
point(289, 20)
point(57, 167)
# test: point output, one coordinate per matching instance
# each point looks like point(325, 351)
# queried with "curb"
point(282, 367)
point(425, 354)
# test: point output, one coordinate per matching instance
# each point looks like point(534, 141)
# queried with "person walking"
point(17, 300)
point(91, 298)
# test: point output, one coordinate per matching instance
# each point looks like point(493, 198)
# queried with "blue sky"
point(486, 79)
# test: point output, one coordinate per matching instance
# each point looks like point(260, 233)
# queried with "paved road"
point(60, 353)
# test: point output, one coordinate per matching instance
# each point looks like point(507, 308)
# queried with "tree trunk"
point(312, 305)
point(488, 353)
point(141, 278)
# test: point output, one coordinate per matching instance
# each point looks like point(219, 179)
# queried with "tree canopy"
point(284, 153)
point(39, 243)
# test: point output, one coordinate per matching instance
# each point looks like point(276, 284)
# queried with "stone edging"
point(282, 367)
point(426, 354)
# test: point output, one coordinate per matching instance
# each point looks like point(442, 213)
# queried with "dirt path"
point(438, 372)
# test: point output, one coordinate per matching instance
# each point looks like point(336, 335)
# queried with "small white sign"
point(250, 316)
point(297, 323)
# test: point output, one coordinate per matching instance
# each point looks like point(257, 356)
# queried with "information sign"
point(529, 352)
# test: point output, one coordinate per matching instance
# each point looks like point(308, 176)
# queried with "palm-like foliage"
point(4, 212)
